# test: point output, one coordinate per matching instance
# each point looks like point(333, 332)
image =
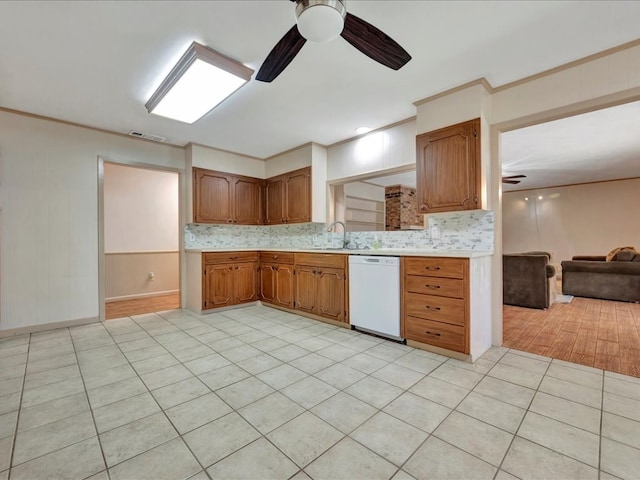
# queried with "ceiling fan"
point(323, 20)
point(511, 179)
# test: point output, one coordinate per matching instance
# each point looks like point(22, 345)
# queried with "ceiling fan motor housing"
point(320, 20)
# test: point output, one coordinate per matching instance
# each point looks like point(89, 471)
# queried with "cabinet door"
point(284, 285)
point(306, 288)
point(212, 197)
point(218, 286)
point(298, 196)
point(247, 199)
point(245, 282)
point(274, 198)
point(267, 282)
point(448, 168)
point(330, 294)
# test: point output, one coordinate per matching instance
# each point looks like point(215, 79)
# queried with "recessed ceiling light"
point(201, 79)
point(363, 130)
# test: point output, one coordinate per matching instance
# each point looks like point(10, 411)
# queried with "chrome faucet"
point(345, 242)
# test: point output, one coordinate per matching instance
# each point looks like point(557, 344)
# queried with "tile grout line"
point(15, 435)
point(86, 394)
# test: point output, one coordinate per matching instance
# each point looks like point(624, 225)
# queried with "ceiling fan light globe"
point(320, 20)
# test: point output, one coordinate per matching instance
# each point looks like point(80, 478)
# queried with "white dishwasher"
point(374, 294)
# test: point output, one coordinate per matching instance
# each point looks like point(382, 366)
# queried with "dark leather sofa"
point(593, 276)
point(528, 279)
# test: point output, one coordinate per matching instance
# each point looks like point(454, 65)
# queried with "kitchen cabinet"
point(229, 278)
point(220, 197)
point(276, 278)
point(288, 197)
point(435, 301)
point(448, 168)
point(321, 286)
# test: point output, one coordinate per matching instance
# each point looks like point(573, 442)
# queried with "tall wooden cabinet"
point(448, 168)
point(229, 278)
point(220, 197)
point(288, 197)
point(320, 285)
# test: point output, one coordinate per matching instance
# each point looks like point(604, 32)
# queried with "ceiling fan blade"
point(511, 182)
point(374, 43)
point(281, 55)
point(515, 176)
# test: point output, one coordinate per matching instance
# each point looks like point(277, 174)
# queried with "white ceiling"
point(97, 62)
point(595, 146)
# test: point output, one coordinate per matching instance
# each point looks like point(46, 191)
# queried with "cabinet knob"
point(229, 220)
point(423, 207)
point(275, 256)
point(432, 333)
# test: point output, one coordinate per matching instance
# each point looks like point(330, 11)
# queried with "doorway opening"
point(140, 208)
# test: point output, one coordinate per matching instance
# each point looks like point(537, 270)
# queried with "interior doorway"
point(141, 231)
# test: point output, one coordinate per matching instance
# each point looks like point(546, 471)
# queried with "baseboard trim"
point(140, 295)
point(441, 351)
point(12, 332)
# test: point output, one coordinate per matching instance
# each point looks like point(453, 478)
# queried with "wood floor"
point(596, 333)
point(137, 306)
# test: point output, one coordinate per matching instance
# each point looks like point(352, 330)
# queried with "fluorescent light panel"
point(200, 81)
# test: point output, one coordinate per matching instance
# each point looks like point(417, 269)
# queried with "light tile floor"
point(259, 393)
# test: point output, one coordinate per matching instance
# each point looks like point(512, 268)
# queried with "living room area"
point(571, 239)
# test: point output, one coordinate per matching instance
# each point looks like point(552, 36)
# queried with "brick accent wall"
point(401, 207)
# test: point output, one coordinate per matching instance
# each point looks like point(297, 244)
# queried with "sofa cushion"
point(626, 256)
point(615, 251)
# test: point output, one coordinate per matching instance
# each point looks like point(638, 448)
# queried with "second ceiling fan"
point(323, 20)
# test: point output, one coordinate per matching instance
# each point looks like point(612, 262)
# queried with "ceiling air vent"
point(147, 136)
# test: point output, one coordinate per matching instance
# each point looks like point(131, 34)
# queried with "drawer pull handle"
point(432, 268)
point(275, 256)
point(432, 286)
point(432, 333)
point(233, 258)
point(429, 307)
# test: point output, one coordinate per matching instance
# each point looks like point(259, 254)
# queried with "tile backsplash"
point(469, 230)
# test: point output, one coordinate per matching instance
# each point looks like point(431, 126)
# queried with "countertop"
point(400, 252)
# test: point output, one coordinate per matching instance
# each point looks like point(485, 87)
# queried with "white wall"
point(140, 210)
point(364, 190)
point(49, 216)
point(379, 150)
point(589, 219)
point(288, 161)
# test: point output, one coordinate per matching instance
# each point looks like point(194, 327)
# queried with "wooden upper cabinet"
point(212, 197)
point(220, 197)
point(274, 201)
point(288, 197)
point(247, 200)
point(298, 196)
point(448, 168)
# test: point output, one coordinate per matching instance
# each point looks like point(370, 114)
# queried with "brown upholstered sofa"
point(528, 279)
point(593, 276)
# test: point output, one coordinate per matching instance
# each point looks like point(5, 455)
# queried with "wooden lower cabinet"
point(225, 283)
point(276, 278)
point(435, 302)
point(321, 286)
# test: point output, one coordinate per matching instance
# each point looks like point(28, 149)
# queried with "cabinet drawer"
point(445, 287)
point(434, 266)
point(331, 260)
point(451, 337)
point(442, 309)
point(277, 257)
point(229, 257)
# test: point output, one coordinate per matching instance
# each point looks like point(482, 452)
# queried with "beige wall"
point(127, 275)
point(49, 215)
point(140, 210)
point(589, 219)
